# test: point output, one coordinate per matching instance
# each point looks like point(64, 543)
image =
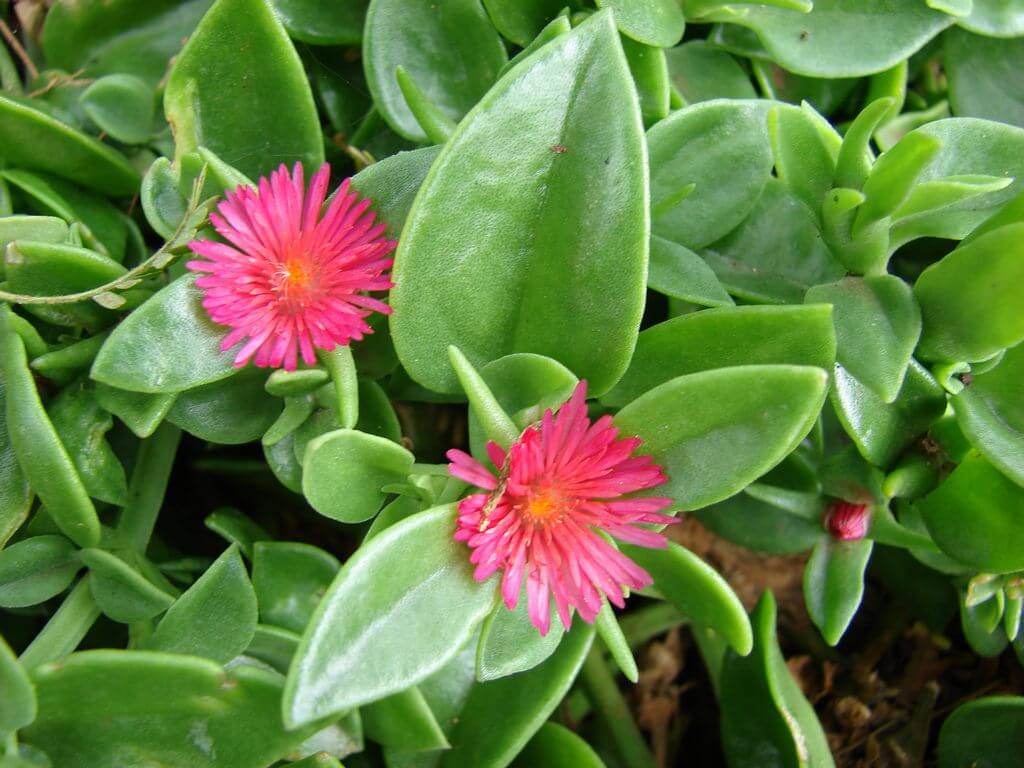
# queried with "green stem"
point(342, 367)
point(147, 487)
point(366, 128)
point(649, 622)
point(614, 713)
point(65, 629)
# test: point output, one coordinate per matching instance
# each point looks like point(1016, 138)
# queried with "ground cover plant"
point(474, 383)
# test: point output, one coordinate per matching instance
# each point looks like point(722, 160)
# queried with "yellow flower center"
point(544, 506)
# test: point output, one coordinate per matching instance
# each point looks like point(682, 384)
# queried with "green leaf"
point(290, 580)
point(763, 711)
point(968, 299)
point(555, 746)
point(123, 106)
point(320, 23)
point(82, 424)
point(676, 271)
point(41, 229)
point(501, 716)
point(998, 18)
point(169, 344)
point(495, 423)
point(834, 584)
point(35, 569)
point(121, 591)
point(510, 644)
point(229, 412)
point(98, 709)
point(776, 253)
point(658, 23)
point(760, 526)
point(725, 338)
point(521, 20)
point(232, 83)
point(392, 184)
point(984, 733)
point(39, 451)
point(404, 722)
point(990, 411)
point(236, 528)
point(34, 141)
point(722, 147)
point(18, 706)
point(981, 81)
point(805, 153)
point(881, 431)
point(15, 494)
point(701, 72)
point(344, 471)
point(102, 37)
point(825, 95)
point(650, 75)
point(981, 627)
point(975, 517)
point(450, 49)
point(215, 618)
point(376, 631)
point(717, 431)
point(697, 590)
point(63, 364)
point(564, 279)
point(844, 38)
point(877, 327)
point(142, 413)
point(435, 124)
point(891, 179)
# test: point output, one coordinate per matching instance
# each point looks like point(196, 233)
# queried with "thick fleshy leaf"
point(652, 22)
point(990, 411)
point(764, 712)
point(35, 569)
point(877, 327)
point(103, 37)
point(501, 716)
point(981, 81)
point(555, 746)
point(123, 106)
point(229, 412)
point(702, 72)
point(805, 148)
point(97, 709)
point(450, 50)
point(565, 279)
point(169, 344)
point(676, 271)
point(976, 516)
point(717, 431)
point(724, 338)
point(215, 618)
point(521, 20)
point(15, 493)
point(760, 526)
point(403, 722)
point(650, 75)
point(344, 471)
point(312, 21)
point(230, 87)
point(120, 590)
point(879, 430)
point(18, 705)
point(142, 413)
point(509, 643)
point(697, 590)
point(834, 584)
point(32, 140)
point(969, 301)
point(392, 184)
point(844, 38)
point(290, 579)
point(999, 18)
point(985, 733)
point(376, 630)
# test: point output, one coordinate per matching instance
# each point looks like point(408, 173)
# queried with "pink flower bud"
point(846, 521)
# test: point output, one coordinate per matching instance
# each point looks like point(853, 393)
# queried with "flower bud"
point(847, 522)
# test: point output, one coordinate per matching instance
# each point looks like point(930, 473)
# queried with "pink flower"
point(847, 522)
point(558, 487)
point(291, 279)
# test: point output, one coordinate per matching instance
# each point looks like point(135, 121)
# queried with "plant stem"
point(649, 622)
point(147, 487)
point(65, 629)
point(342, 367)
point(19, 50)
point(614, 713)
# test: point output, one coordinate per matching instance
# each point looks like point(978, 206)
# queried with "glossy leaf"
point(142, 413)
point(725, 338)
point(18, 705)
point(521, 20)
point(35, 569)
point(215, 618)
point(984, 733)
point(721, 147)
point(376, 631)
point(392, 184)
point(877, 327)
point(763, 711)
point(676, 271)
point(702, 72)
point(652, 22)
point(999, 18)
point(123, 106)
point(121, 591)
point(757, 525)
point(231, 411)
point(32, 140)
point(805, 148)
point(98, 709)
point(404, 722)
point(514, 285)
point(323, 23)
point(449, 49)
point(501, 716)
point(975, 517)
point(980, 82)
point(167, 345)
point(697, 590)
point(230, 85)
point(510, 644)
point(717, 431)
point(968, 304)
point(345, 470)
point(15, 493)
point(555, 746)
point(834, 584)
point(650, 75)
point(290, 579)
point(990, 411)
point(39, 451)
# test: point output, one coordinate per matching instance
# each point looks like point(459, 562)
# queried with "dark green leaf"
point(985, 733)
point(18, 705)
point(35, 569)
point(338, 23)
point(290, 579)
point(229, 412)
point(404, 722)
point(834, 584)
point(652, 22)
point(120, 590)
point(701, 72)
point(555, 746)
point(521, 20)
